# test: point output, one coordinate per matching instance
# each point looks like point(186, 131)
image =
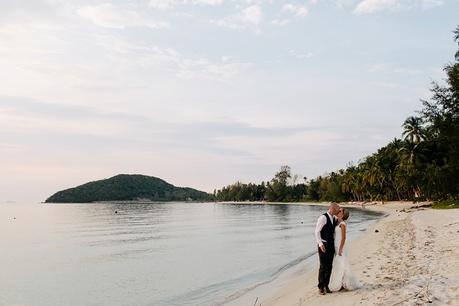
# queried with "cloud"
point(206, 2)
point(54, 127)
point(251, 16)
point(297, 10)
point(426, 4)
point(108, 16)
point(169, 60)
point(163, 4)
point(300, 55)
point(292, 9)
point(280, 22)
point(374, 6)
point(170, 4)
point(41, 123)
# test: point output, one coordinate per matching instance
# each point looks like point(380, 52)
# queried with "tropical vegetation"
point(421, 165)
point(125, 187)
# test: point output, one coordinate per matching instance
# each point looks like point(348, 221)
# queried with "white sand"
point(412, 260)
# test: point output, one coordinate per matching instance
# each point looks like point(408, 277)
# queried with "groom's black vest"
point(328, 231)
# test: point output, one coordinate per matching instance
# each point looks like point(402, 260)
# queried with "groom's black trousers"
point(326, 262)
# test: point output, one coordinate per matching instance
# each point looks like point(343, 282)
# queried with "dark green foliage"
point(126, 187)
point(278, 190)
point(447, 204)
point(282, 188)
point(241, 192)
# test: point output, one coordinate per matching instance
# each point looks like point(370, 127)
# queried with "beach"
point(409, 257)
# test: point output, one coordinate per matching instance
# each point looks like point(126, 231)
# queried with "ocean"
point(152, 253)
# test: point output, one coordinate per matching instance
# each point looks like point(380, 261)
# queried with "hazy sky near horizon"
point(206, 92)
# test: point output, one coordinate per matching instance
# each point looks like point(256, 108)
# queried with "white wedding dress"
point(341, 275)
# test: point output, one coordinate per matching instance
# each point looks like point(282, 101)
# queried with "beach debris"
point(422, 205)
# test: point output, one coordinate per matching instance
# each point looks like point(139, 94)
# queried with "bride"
point(341, 276)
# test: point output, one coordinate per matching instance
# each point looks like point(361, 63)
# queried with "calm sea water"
point(150, 254)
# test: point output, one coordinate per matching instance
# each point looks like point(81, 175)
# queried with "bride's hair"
point(345, 214)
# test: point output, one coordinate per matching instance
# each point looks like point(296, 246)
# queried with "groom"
point(325, 232)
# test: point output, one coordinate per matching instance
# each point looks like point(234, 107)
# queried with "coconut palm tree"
point(413, 130)
point(456, 38)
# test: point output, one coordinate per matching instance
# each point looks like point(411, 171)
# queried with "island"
point(127, 187)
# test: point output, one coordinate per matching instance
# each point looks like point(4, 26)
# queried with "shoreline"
point(412, 258)
point(305, 267)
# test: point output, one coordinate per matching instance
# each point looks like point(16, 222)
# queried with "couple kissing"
point(335, 272)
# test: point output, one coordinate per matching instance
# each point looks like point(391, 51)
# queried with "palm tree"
point(392, 161)
point(456, 38)
point(413, 130)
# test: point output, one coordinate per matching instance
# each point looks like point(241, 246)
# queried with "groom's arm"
point(320, 224)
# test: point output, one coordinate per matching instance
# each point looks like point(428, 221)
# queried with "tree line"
point(421, 165)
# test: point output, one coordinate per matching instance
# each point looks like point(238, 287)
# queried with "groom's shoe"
point(321, 291)
point(328, 290)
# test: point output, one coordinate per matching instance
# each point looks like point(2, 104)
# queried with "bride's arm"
point(343, 238)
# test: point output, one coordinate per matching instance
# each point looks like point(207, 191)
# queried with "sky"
point(203, 93)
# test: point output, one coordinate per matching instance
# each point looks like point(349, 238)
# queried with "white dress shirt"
point(320, 224)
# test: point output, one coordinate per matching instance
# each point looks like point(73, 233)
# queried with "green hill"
point(125, 187)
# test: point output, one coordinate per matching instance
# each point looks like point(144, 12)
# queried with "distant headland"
point(127, 187)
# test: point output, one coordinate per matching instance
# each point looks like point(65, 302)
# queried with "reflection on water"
point(149, 254)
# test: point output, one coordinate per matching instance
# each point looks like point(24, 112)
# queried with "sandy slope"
point(413, 259)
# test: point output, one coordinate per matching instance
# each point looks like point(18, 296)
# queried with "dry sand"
point(413, 259)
